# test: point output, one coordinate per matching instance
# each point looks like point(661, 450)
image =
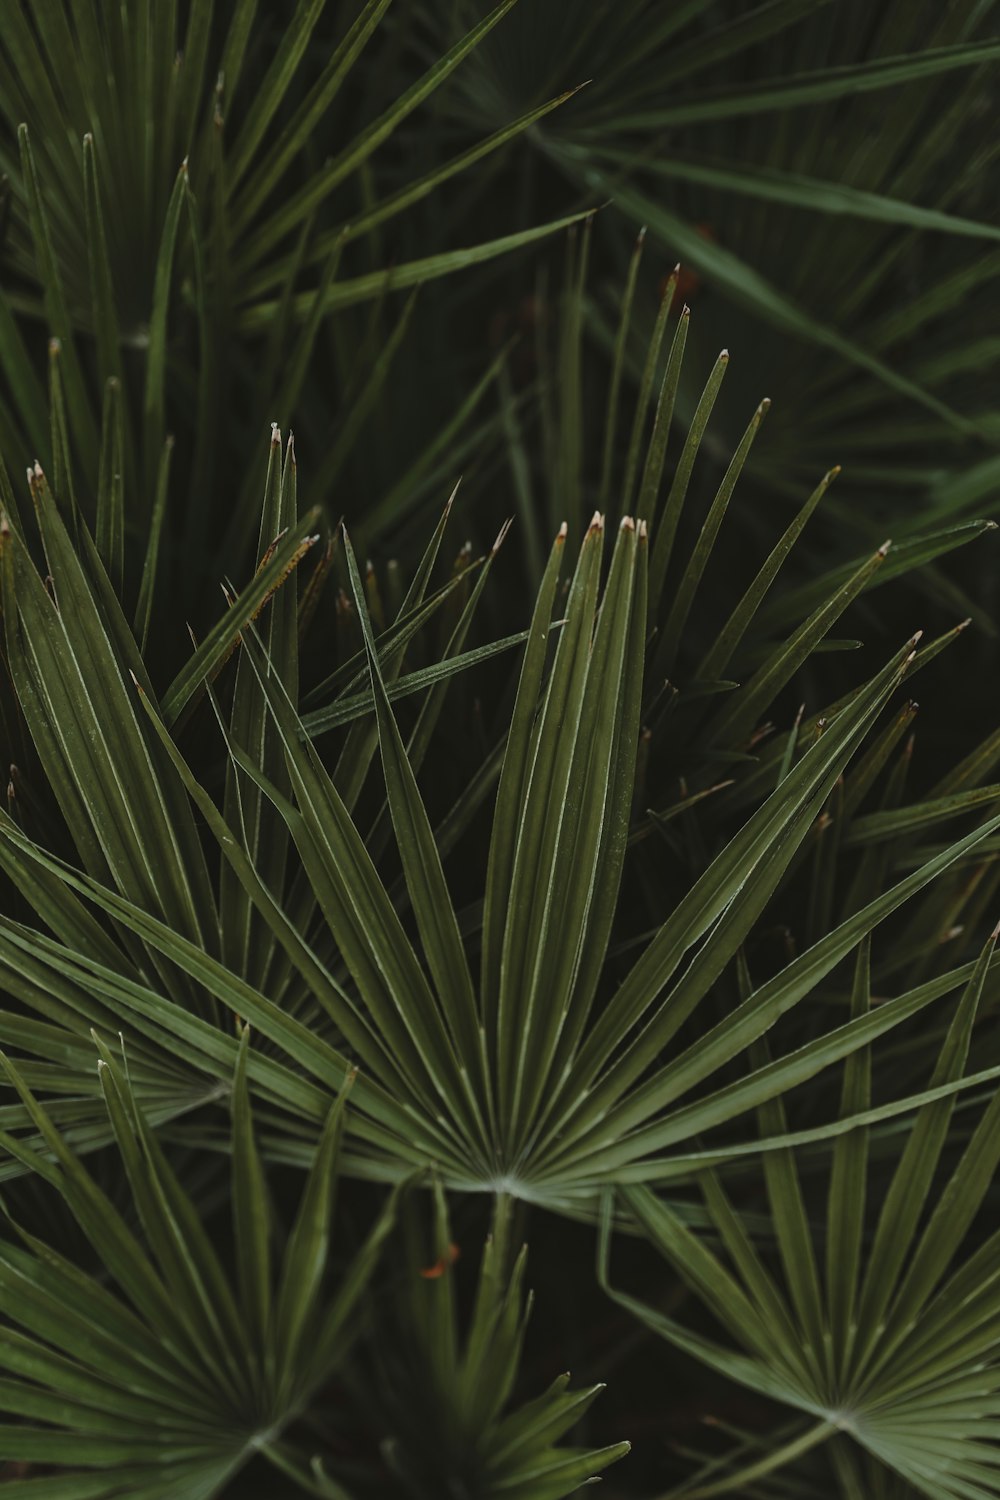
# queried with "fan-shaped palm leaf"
point(173, 1376)
point(891, 1342)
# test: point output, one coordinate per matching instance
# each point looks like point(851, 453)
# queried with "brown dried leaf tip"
point(442, 1266)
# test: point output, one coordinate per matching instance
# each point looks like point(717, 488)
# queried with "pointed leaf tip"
point(501, 535)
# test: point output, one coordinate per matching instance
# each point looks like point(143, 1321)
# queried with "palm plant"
point(580, 882)
point(894, 1350)
point(173, 1382)
point(448, 1405)
point(820, 169)
point(186, 246)
point(539, 1082)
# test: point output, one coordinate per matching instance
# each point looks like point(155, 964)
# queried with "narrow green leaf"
point(737, 718)
point(617, 367)
point(357, 152)
point(663, 538)
point(717, 659)
point(212, 653)
point(251, 1212)
point(349, 292)
point(847, 1195)
point(429, 894)
point(109, 532)
point(105, 313)
point(81, 415)
point(677, 617)
point(154, 398)
point(805, 89)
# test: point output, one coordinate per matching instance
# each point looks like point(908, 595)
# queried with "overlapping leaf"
point(889, 1341)
point(171, 1376)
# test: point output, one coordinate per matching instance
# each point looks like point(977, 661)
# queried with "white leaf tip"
point(501, 536)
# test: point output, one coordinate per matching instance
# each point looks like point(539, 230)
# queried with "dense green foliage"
point(579, 886)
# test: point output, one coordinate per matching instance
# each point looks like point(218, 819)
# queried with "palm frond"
point(172, 1377)
point(447, 1389)
point(890, 1344)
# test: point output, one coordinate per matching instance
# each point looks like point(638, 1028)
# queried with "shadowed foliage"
point(390, 880)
